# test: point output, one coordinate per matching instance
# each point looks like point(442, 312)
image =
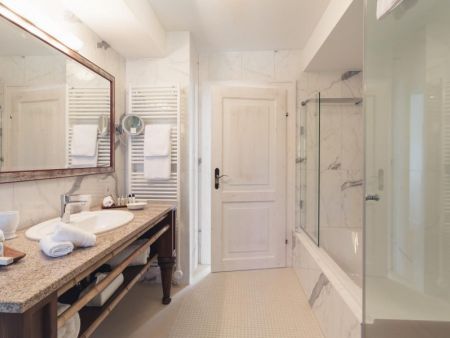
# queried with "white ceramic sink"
point(95, 222)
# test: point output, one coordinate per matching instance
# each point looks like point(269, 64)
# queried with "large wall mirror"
point(56, 107)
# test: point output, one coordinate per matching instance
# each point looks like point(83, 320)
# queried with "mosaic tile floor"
point(244, 304)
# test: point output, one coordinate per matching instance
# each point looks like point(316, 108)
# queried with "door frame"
point(291, 104)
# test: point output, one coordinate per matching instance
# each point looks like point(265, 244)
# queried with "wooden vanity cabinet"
point(41, 321)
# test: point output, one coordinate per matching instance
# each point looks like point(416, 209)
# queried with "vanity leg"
point(166, 256)
point(166, 265)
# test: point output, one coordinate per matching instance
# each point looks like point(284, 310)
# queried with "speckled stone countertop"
point(37, 276)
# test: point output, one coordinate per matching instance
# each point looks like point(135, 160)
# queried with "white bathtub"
point(335, 298)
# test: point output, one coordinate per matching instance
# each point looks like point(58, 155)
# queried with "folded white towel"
point(78, 237)
point(386, 6)
point(139, 260)
point(157, 140)
point(84, 161)
point(2, 236)
point(71, 328)
point(84, 139)
point(103, 296)
point(54, 248)
point(157, 168)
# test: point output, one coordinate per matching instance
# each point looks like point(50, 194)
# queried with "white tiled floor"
point(245, 304)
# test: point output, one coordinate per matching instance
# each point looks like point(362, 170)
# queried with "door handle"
point(217, 178)
point(374, 197)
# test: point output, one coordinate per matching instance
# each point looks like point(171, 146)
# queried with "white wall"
point(39, 200)
point(177, 68)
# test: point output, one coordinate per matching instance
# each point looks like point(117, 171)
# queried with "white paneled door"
point(249, 178)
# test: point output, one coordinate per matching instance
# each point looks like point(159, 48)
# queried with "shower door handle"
point(374, 197)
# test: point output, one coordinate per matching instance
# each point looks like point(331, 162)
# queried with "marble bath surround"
point(335, 299)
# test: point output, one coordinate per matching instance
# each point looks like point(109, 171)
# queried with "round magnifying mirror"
point(133, 125)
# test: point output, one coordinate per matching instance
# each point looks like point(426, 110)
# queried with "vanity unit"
point(29, 289)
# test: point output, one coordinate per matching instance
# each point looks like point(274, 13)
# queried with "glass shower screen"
point(407, 218)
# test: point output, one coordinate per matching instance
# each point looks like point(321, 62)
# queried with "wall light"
point(53, 26)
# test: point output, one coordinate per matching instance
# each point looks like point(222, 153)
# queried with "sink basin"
point(95, 222)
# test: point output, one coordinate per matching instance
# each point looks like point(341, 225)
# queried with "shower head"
point(347, 75)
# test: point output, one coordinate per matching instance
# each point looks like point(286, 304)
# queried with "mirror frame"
point(30, 175)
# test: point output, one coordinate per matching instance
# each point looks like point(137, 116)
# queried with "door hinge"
point(287, 114)
point(286, 241)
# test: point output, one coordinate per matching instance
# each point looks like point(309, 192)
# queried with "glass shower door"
point(407, 208)
point(309, 160)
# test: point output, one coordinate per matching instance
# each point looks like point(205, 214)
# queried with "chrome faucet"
point(66, 202)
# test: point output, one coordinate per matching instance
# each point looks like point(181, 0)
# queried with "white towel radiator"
point(154, 105)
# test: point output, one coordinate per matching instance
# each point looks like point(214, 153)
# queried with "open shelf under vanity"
point(92, 317)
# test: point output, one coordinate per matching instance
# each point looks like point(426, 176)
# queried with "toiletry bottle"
point(130, 200)
point(2, 246)
point(133, 198)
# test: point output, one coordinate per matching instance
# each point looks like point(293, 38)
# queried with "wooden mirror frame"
point(30, 175)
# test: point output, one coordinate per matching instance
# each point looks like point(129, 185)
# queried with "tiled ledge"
point(335, 299)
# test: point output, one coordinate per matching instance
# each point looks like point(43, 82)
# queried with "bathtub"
point(335, 298)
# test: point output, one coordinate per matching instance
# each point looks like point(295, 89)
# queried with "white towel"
point(139, 260)
point(54, 248)
point(71, 328)
point(84, 161)
point(103, 296)
point(386, 6)
point(108, 202)
point(78, 237)
point(84, 139)
point(157, 140)
point(157, 168)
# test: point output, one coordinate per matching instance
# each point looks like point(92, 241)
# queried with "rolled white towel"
point(79, 238)
point(108, 202)
point(71, 328)
point(54, 248)
point(2, 236)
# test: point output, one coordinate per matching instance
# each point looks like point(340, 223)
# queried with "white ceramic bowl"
point(9, 221)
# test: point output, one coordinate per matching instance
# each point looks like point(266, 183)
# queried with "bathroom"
point(127, 211)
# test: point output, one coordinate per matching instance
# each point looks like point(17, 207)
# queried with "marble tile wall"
point(341, 169)
point(39, 200)
point(178, 67)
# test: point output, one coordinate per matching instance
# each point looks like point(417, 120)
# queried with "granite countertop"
point(36, 276)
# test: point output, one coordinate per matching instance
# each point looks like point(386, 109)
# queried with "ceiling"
point(242, 24)
point(344, 46)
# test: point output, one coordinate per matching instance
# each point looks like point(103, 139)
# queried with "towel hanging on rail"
point(157, 149)
point(84, 148)
point(84, 139)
